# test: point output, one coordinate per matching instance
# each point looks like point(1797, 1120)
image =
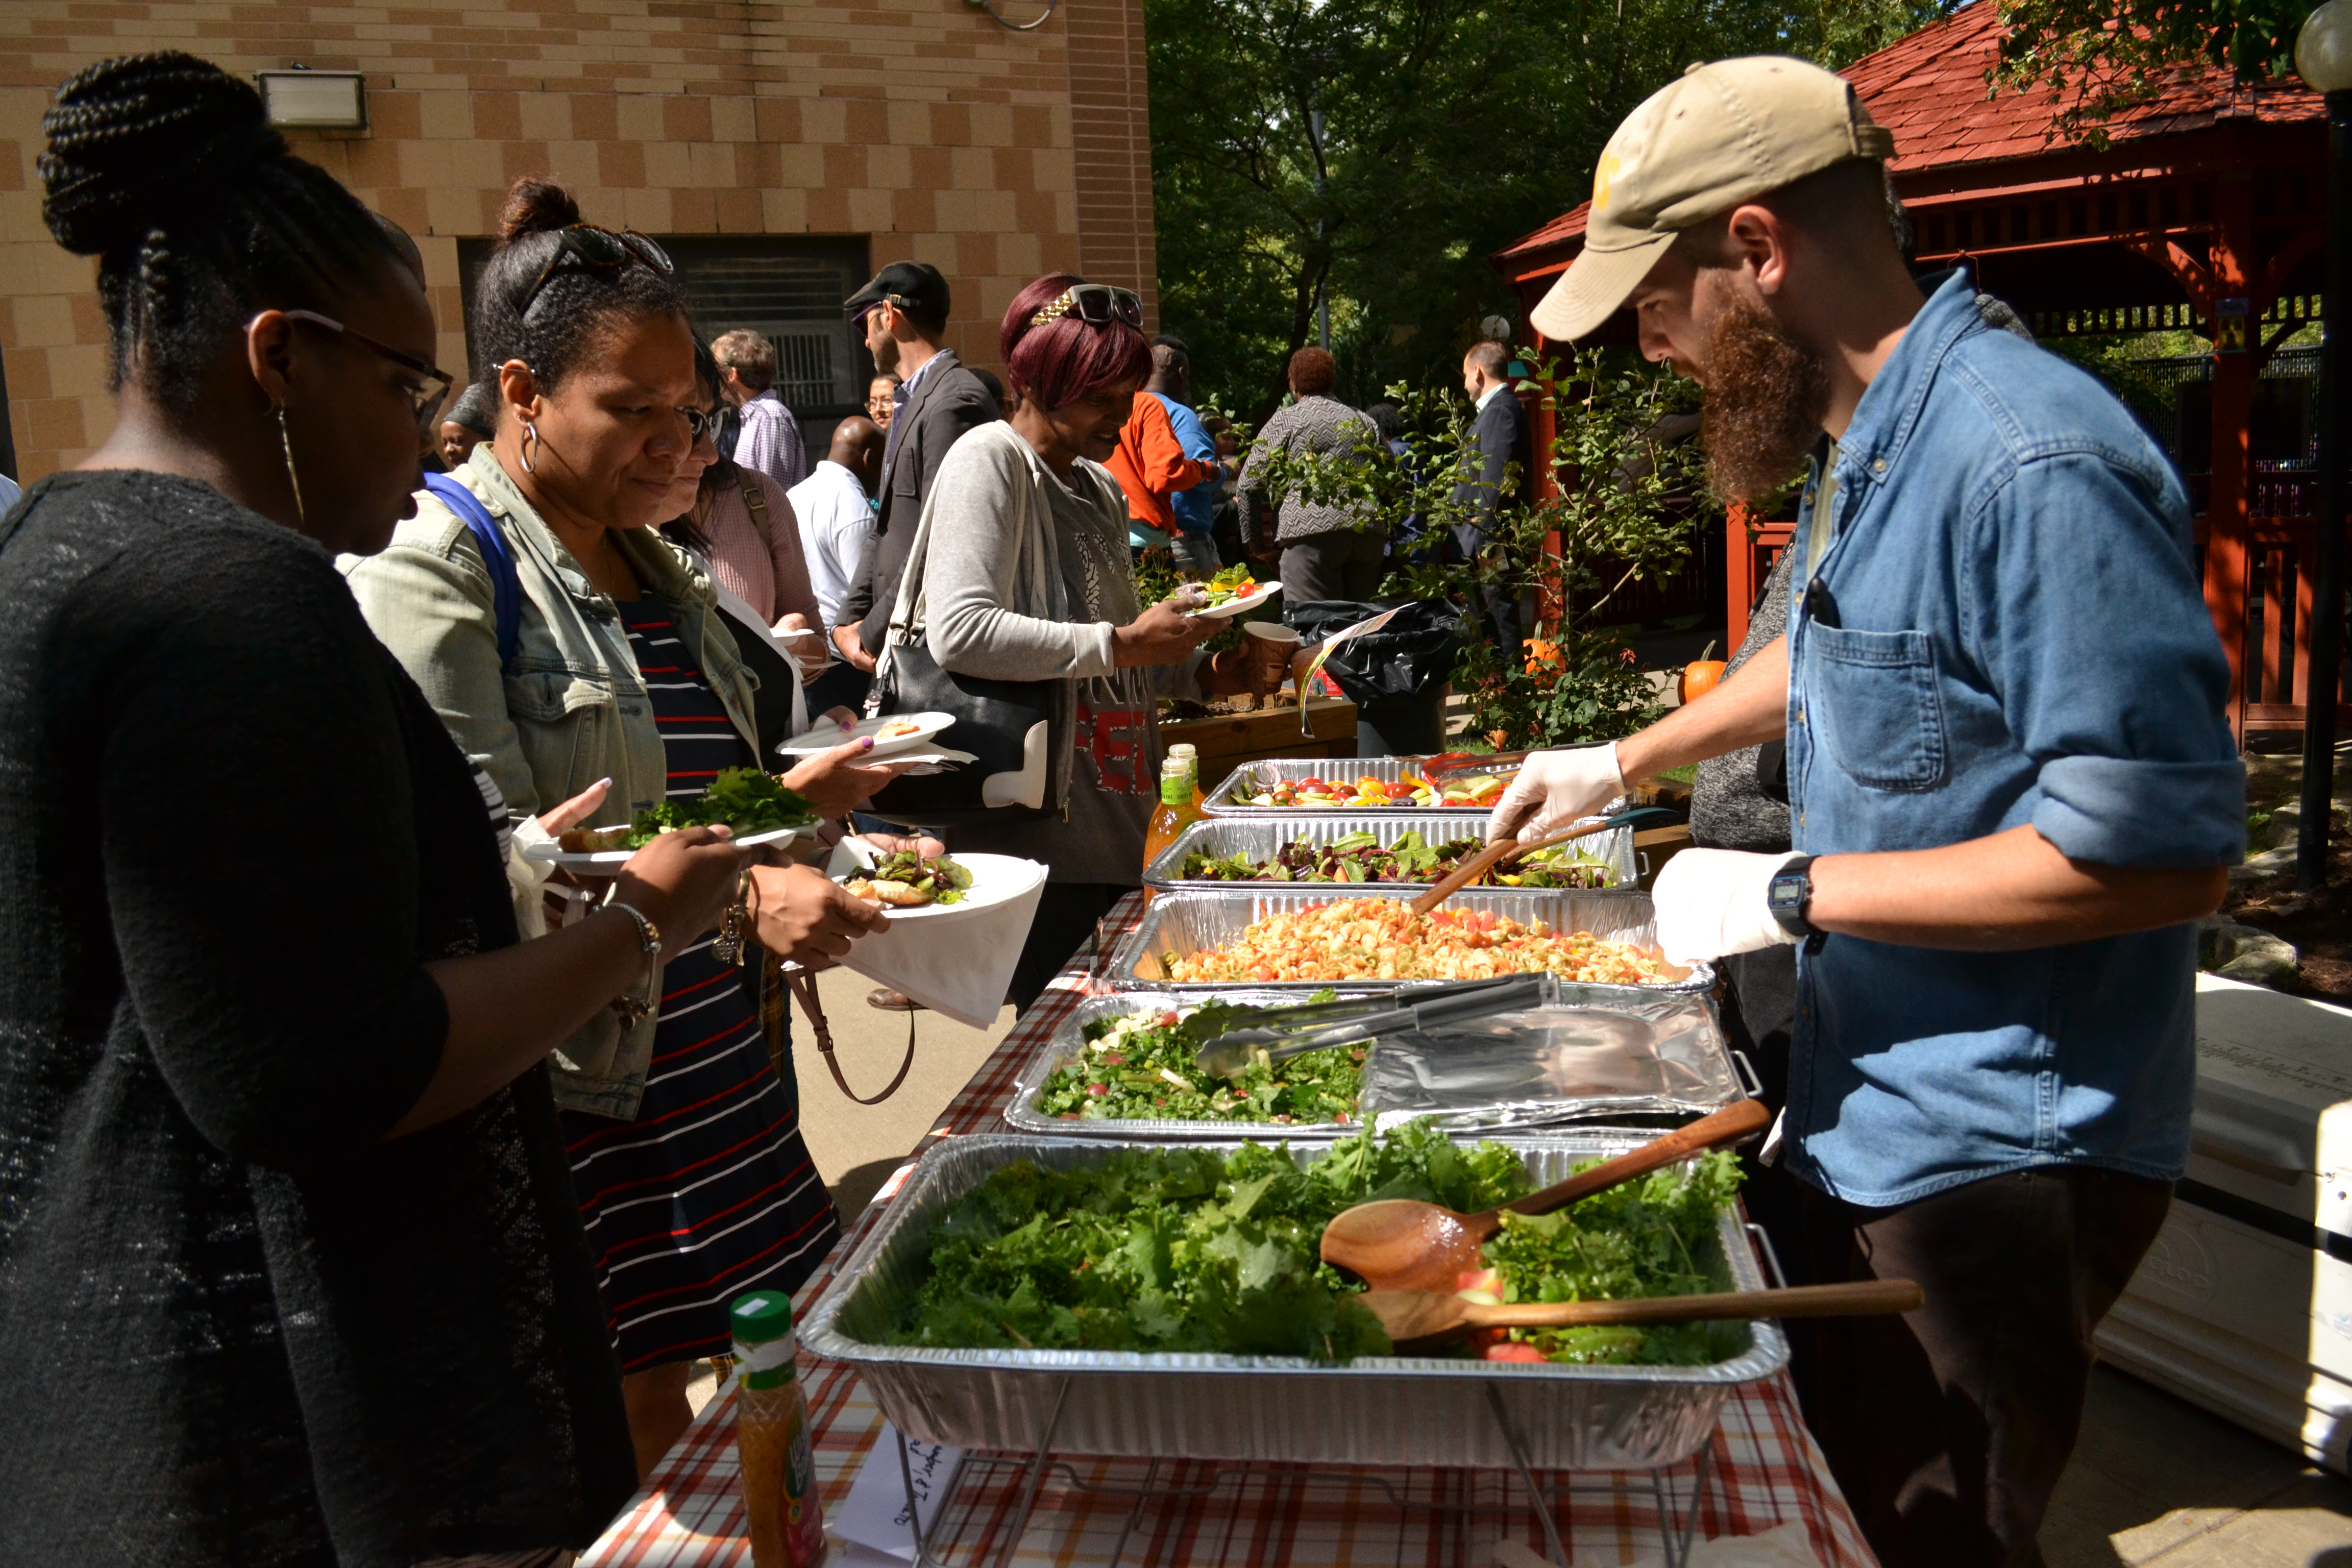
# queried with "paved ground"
point(2157, 1481)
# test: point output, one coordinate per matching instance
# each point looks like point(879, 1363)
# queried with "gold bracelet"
point(734, 927)
point(633, 1009)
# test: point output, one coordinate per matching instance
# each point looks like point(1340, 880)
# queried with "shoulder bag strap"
point(758, 504)
point(804, 985)
point(506, 582)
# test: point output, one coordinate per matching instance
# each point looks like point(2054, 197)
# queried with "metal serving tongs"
point(1345, 1022)
point(1503, 849)
point(1447, 763)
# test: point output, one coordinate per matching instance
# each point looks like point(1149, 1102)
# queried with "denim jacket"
point(2007, 627)
point(569, 711)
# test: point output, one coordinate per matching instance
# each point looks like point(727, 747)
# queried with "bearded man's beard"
point(1766, 396)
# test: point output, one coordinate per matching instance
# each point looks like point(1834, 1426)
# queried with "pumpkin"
point(1699, 678)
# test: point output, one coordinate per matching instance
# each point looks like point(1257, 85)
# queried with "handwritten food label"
point(875, 1518)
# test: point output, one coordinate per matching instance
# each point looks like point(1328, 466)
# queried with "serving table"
point(1759, 1470)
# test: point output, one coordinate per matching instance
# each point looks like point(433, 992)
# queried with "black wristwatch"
point(1792, 894)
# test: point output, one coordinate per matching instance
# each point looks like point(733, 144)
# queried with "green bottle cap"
point(764, 1346)
point(760, 1316)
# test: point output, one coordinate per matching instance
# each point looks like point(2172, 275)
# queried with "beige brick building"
point(786, 147)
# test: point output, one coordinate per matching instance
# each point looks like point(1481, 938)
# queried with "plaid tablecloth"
point(1763, 1469)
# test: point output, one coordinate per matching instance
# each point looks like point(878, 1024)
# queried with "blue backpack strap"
point(506, 583)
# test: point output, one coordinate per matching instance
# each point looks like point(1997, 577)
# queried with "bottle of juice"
point(771, 1436)
point(1175, 813)
point(1189, 756)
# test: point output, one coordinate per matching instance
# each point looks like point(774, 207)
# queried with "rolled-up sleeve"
point(2108, 671)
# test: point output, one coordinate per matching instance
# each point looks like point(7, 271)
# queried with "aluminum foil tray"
point(1197, 920)
point(1224, 800)
point(1590, 1051)
point(1069, 1042)
point(1264, 833)
point(1393, 1410)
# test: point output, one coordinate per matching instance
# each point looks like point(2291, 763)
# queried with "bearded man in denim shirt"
point(2012, 787)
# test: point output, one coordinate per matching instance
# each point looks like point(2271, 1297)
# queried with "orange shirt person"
point(1150, 464)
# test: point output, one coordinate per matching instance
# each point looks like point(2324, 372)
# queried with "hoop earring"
point(529, 446)
point(286, 446)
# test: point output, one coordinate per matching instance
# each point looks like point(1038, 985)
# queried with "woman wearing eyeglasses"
point(1024, 575)
point(292, 1268)
point(694, 1183)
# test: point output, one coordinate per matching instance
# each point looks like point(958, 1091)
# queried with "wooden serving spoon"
point(1502, 849)
point(1421, 1315)
point(1403, 1244)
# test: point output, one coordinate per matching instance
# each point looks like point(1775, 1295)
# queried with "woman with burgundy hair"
point(1026, 576)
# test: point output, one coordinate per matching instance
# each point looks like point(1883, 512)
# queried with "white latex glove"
point(1554, 789)
point(1711, 903)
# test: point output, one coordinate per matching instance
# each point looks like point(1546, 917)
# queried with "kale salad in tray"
point(1141, 1067)
point(1195, 1250)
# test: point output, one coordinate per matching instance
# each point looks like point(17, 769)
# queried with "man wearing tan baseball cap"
point(2012, 789)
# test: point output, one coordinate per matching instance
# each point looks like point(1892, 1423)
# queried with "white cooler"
point(2244, 1304)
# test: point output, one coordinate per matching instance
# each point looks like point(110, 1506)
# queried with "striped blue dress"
point(709, 1191)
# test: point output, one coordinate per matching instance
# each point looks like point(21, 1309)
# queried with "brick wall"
point(994, 154)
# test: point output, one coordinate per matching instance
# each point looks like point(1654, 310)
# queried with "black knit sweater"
point(237, 1326)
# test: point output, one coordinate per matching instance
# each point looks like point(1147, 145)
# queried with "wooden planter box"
point(1226, 741)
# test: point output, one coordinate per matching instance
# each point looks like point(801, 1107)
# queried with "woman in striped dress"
point(693, 1180)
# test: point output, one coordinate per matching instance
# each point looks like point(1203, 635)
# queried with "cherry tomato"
point(1513, 1350)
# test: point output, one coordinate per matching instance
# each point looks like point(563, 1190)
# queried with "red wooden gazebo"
point(2206, 211)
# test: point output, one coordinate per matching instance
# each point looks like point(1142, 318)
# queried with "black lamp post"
point(2323, 57)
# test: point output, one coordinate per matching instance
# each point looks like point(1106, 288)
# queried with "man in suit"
point(904, 314)
point(1501, 439)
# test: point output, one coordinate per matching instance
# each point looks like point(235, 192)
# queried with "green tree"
point(1621, 513)
point(1450, 128)
point(2106, 57)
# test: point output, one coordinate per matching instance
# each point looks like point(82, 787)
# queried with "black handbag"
point(1009, 726)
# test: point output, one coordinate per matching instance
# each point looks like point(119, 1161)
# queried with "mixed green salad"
point(1233, 583)
point(1141, 1067)
point(1354, 857)
point(905, 880)
point(1561, 866)
point(746, 799)
point(1176, 1249)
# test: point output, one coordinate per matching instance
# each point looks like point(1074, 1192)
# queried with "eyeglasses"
point(433, 381)
point(601, 249)
point(699, 423)
point(1096, 304)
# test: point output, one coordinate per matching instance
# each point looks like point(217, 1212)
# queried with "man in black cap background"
point(905, 313)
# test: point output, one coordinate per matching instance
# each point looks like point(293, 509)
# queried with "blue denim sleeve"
point(2097, 636)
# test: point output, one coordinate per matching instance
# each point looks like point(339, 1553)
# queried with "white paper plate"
point(995, 880)
point(826, 737)
point(1248, 602)
point(611, 859)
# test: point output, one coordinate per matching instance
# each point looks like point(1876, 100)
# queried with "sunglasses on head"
point(432, 383)
point(597, 249)
point(1096, 304)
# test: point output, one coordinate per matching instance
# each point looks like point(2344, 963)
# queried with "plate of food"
point(1229, 592)
point(890, 733)
point(929, 887)
point(758, 809)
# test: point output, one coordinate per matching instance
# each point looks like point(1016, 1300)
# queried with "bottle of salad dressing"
point(771, 1436)
point(1176, 811)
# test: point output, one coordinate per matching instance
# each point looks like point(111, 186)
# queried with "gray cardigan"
point(1007, 592)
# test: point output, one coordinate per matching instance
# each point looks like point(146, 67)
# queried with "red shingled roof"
point(1928, 89)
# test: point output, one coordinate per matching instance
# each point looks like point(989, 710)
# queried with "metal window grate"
point(789, 289)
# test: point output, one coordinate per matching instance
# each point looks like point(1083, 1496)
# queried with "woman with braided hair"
point(291, 1272)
